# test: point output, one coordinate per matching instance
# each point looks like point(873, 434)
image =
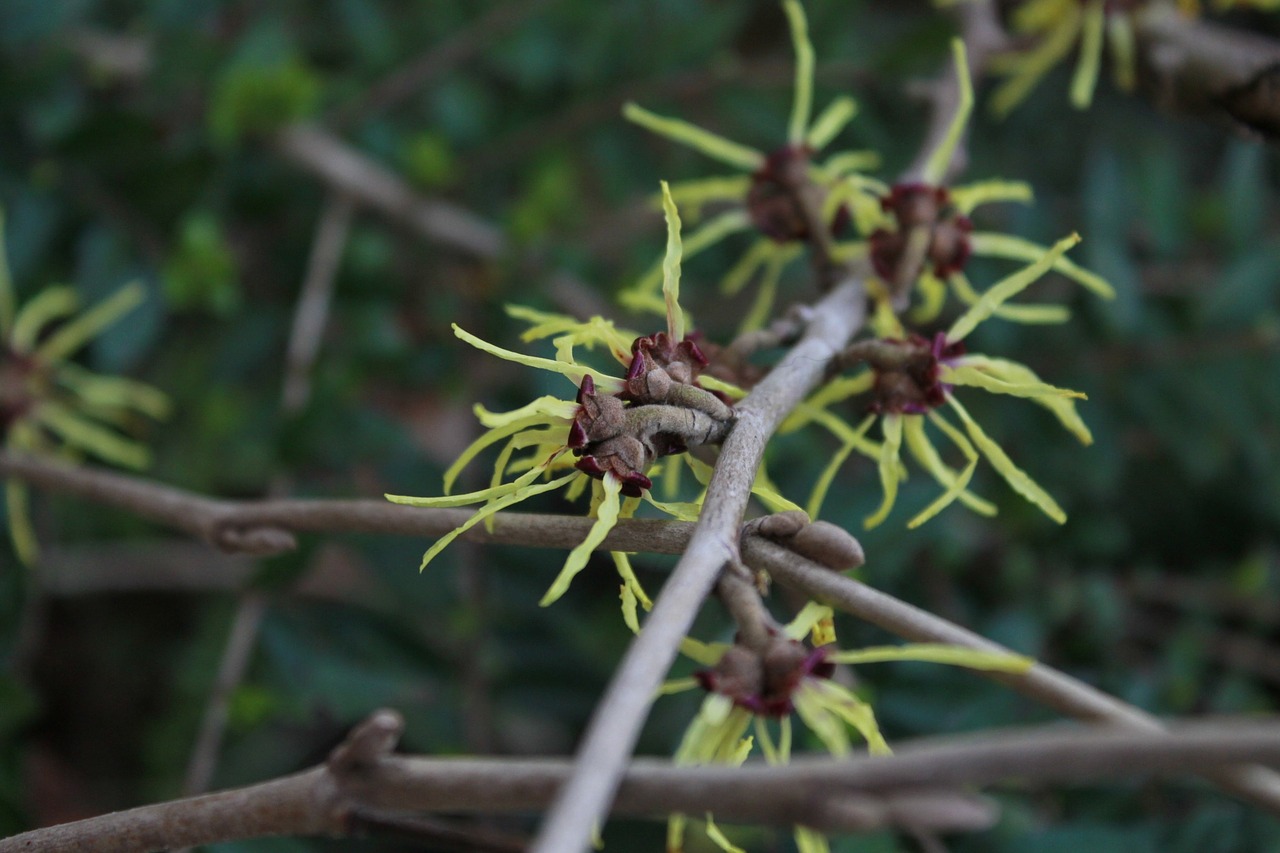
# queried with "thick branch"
point(864, 793)
point(616, 724)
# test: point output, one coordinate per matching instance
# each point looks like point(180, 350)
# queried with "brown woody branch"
point(1041, 683)
point(915, 788)
point(1205, 67)
point(790, 559)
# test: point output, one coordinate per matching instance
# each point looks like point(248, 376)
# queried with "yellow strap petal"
point(719, 839)
point(1013, 475)
point(80, 432)
point(828, 475)
point(1085, 79)
point(967, 197)
point(1006, 288)
point(937, 653)
point(811, 614)
point(84, 328)
point(1063, 408)
point(707, 654)
point(892, 426)
point(21, 531)
point(830, 122)
point(994, 245)
point(963, 374)
point(671, 267)
point(802, 99)
point(926, 454)
point(1038, 314)
point(604, 383)
point(606, 518)
point(48, 305)
point(710, 144)
point(935, 169)
point(812, 708)
point(629, 580)
point(856, 713)
point(489, 509)
point(955, 488)
point(1027, 69)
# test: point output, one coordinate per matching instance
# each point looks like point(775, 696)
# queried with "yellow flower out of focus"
point(51, 406)
point(1055, 28)
point(757, 689)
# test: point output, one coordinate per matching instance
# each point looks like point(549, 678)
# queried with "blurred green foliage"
point(114, 168)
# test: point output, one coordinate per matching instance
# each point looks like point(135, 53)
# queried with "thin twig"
point(312, 311)
point(348, 171)
point(242, 638)
point(616, 724)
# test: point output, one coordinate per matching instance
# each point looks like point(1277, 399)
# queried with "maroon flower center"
point(764, 682)
point(771, 201)
point(929, 232)
point(907, 373)
point(16, 372)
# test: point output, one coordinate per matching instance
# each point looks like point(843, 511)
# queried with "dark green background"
point(106, 178)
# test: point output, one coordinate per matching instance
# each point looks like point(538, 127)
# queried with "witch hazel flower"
point(911, 379)
point(751, 691)
point(609, 436)
point(921, 235)
point(763, 197)
point(1055, 28)
point(51, 406)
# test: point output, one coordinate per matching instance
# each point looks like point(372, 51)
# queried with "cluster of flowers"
point(918, 236)
point(625, 435)
point(611, 435)
point(51, 406)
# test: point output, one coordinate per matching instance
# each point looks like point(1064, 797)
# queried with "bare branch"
point(908, 789)
point(1206, 67)
point(348, 171)
point(312, 311)
point(242, 638)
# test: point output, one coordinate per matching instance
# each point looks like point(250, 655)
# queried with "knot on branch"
point(257, 539)
point(368, 743)
point(820, 541)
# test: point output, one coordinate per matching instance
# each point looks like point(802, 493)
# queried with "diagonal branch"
point(348, 171)
point(1044, 684)
point(615, 726)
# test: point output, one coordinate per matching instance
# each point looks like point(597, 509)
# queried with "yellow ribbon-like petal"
point(606, 518)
